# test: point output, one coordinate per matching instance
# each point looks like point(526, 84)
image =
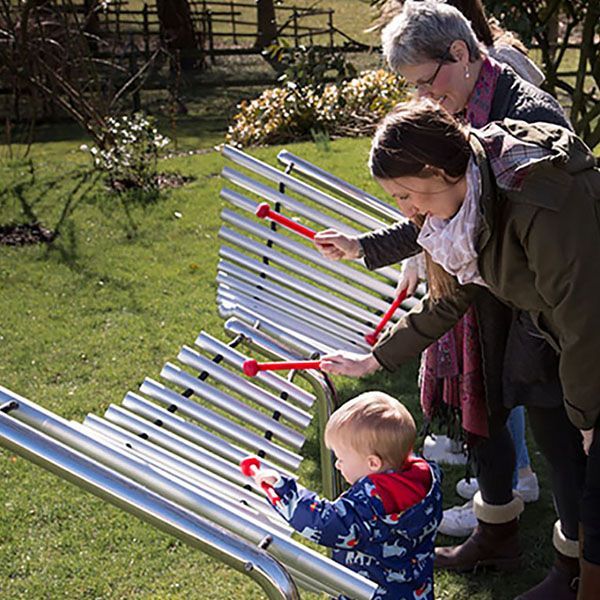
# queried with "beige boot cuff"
point(497, 514)
point(563, 544)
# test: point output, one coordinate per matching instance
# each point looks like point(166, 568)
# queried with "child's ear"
point(374, 463)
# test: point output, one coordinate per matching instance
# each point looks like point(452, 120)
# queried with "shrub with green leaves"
point(128, 152)
point(293, 112)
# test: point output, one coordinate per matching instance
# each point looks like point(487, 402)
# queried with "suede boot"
point(494, 542)
point(495, 546)
point(589, 575)
point(563, 578)
point(559, 584)
point(589, 581)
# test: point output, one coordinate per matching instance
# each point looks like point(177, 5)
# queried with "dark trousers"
point(560, 443)
point(493, 461)
point(590, 503)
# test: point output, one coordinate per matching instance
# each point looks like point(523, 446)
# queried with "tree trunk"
point(267, 25)
point(177, 30)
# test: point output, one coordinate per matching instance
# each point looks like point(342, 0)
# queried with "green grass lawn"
point(85, 319)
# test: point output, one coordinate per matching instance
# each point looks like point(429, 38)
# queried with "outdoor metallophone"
point(170, 452)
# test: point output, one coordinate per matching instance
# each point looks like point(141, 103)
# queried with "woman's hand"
point(409, 278)
point(588, 438)
point(337, 246)
point(349, 363)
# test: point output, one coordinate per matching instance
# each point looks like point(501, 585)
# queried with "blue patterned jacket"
point(394, 550)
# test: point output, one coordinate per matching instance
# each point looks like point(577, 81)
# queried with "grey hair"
point(424, 31)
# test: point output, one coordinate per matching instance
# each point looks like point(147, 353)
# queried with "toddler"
point(384, 526)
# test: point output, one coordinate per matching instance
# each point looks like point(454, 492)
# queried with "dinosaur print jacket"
point(393, 549)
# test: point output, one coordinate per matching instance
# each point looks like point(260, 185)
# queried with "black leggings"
point(560, 443)
point(493, 466)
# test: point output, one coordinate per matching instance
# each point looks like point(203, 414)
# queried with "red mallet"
point(249, 467)
point(371, 338)
point(251, 367)
point(264, 211)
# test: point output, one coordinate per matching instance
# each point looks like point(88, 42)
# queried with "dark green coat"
point(539, 251)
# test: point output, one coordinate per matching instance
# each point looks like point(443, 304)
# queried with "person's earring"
point(467, 74)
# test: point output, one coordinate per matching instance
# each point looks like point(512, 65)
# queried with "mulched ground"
point(24, 234)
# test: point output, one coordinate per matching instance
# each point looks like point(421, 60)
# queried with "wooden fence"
point(227, 27)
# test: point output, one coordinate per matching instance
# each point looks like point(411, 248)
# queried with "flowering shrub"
point(280, 115)
point(128, 152)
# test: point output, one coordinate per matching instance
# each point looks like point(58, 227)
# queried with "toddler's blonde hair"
point(374, 423)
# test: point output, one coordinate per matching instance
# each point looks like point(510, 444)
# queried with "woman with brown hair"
point(513, 210)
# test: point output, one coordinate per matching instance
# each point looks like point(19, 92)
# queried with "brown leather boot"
point(495, 546)
point(560, 583)
point(589, 581)
point(493, 543)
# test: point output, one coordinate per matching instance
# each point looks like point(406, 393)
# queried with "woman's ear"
point(460, 51)
point(374, 463)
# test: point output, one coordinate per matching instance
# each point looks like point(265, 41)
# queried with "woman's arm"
point(390, 245)
point(414, 332)
point(380, 248)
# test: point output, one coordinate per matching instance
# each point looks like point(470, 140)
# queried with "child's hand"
point(268, 476)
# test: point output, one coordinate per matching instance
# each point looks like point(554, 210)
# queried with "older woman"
point(434, 47)
point(514, 209)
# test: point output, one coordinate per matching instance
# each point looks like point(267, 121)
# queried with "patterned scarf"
point(451, 242)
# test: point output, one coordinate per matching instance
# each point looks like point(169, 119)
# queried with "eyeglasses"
point(429, 82)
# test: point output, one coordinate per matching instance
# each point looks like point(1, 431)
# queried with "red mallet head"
point(370, 338)
point(262, 210)
point(250, 367)
point(249, 465)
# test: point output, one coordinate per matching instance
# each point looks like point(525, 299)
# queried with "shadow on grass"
point(28, 193)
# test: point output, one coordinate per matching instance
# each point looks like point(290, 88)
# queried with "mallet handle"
point(251, 367)
point(372, 337)
point(264, 211)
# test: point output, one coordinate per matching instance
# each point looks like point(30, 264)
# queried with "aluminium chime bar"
point(307, 253)
point(274, 196)
point(175, 443)
point(335, 184)
point(218, 423)
point(185, 468)
point(303, 269)
point(225, 402)
point(148, 506)
point(310, 314)
point(181, 479)
point(264, 170)
point(192, 432)
point(280, 293)
point(298, 347)
point(276, 382)
point(284, 318)
point(262, 339)
point(240, 201)
point(242, 385)
point(290, 552)
point(269, 273)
